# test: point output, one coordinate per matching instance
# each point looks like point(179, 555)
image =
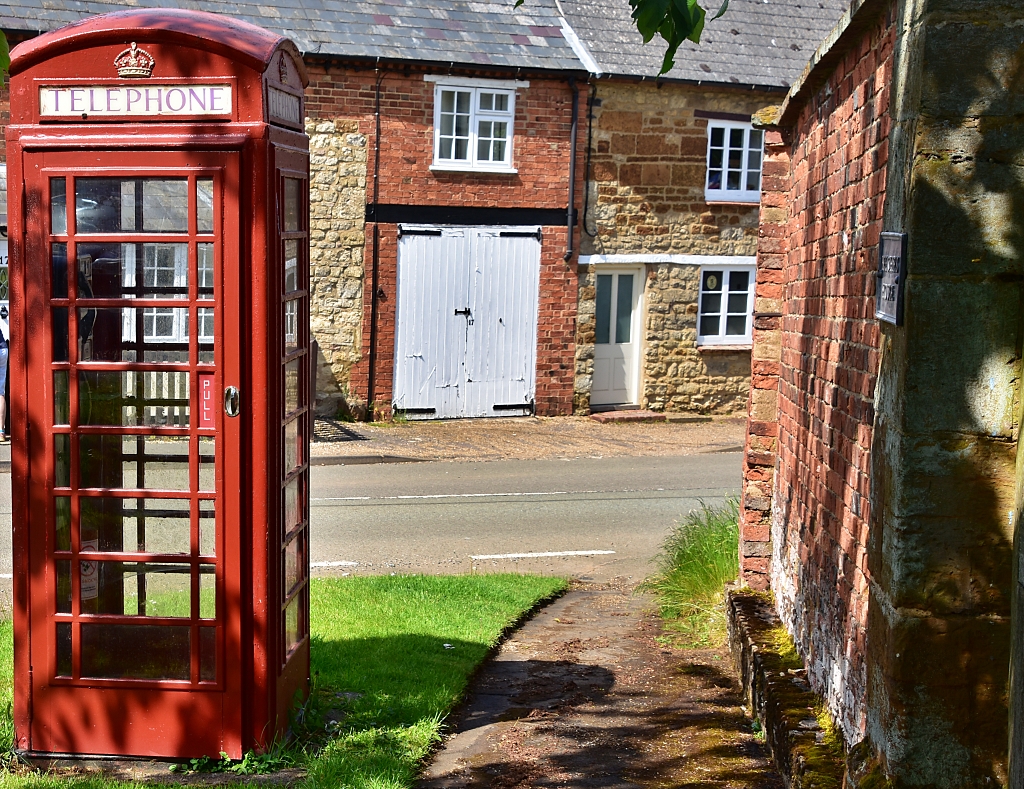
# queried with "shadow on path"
point(584, 697)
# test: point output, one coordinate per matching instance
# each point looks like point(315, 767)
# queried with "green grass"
point(6, 685)
point(697, 559)
point(383, 638)
point(381, 669)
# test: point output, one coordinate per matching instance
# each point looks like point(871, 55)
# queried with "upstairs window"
point(726, 306)
point(473, 128)
point(735, 152)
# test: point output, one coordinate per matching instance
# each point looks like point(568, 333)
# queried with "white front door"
point(617, 344)
point(466, 333)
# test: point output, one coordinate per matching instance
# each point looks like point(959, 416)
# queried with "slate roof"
point(468, 32)
point(756, 42)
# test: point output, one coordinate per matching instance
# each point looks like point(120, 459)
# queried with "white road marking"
point(541, 555)
point(334, 564)
point(479, 495)
point(6, 576)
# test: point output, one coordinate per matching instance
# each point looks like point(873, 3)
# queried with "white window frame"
point(475, 88)
point(150, 315)
point(721, 338)
point(723, 194)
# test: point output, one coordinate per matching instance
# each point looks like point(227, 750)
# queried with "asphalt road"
point(436, 517)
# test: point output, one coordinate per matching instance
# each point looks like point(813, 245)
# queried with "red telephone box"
point(159, 238)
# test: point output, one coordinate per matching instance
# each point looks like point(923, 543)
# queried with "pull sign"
point(232, 406)
point(89, 573)
point(207, 400)
point(892, 276)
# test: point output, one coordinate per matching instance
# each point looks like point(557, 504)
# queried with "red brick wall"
point(541, 136)
point(556, 326)
point(540, 146)
point(763, 419)
point(816, 357)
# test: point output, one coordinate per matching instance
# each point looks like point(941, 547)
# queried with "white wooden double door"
point(466, 331)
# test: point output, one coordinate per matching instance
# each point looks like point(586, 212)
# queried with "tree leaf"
point(649, 15)
point(675, 21)
point(685, 21)
point(5, 54)
point(696, 22)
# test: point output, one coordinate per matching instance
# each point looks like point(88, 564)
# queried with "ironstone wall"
point(646, 196)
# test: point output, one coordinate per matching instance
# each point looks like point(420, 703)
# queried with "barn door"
point(501, 353)
point(430, 333)
point(466, 334)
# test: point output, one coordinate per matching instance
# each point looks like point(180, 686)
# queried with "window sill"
point(716, 201)
point(725, 348)
point(455, 168)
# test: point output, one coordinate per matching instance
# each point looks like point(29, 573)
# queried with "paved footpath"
point(521, 438)
point(586, 696)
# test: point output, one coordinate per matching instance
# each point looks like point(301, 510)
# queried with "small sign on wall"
point(892, 276)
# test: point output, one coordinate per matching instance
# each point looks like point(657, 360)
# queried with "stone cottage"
point(669, 233)
point(882, 476)
point(446, 176)
point(472, 136)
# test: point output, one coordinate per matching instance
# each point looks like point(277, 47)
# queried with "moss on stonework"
point(864, 770)
point(785, 648)
point(803, 737)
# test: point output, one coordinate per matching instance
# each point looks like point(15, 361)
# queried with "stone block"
point(691, 175)
point(605, 171)
point(631, 122)
point(941, 683)
point(964, 369)
point(623, 144)
point(655, 174)
point(981, 58)
point(657, 145)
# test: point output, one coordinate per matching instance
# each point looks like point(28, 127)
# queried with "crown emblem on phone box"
point(134, 62)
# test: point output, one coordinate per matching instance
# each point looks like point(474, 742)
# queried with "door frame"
point(116, 715)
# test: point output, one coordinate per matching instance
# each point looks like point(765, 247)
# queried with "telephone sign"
point(107, 101)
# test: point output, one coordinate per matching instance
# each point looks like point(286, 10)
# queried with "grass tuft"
point(697, 559)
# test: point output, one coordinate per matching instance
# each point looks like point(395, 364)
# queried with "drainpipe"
point(570, 214)
point(591, 98)
point(371, 378)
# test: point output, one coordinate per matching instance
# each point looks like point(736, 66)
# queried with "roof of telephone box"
point(234, 37)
